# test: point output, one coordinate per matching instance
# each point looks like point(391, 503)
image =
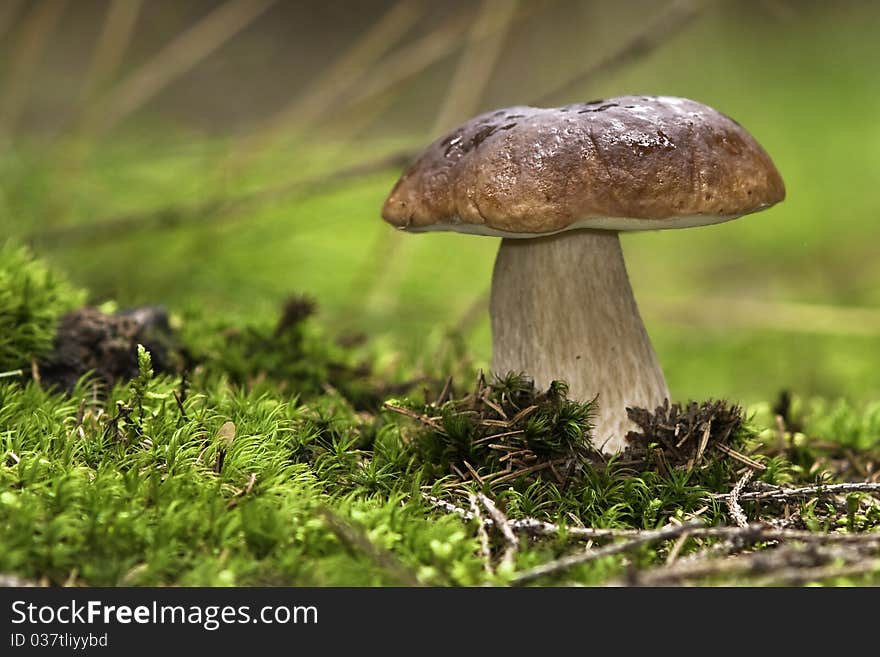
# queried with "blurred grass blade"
point(8, 14)
point(213, 211)
point(33, 36)
point(674, 18)
point(113, 41)
point(756, 313)
point(476, 63)
point(413, 59)
point(342, 74)
point(177, 58)
point(419, 55)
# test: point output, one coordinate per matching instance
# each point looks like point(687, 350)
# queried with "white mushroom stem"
point(562, 308)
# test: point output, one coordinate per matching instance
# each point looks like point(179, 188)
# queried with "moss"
point(33, 297)
point(255, 471)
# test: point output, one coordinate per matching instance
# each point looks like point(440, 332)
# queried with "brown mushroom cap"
point(627, 163)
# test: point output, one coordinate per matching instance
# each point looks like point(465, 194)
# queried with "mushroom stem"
point(562, 308)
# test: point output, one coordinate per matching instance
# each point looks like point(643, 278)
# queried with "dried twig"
point(423, 419)
point(449, 507)
point(742, 458)
point(821, 490)
point(736, 511)
point(482, 534)
point(751, 533)
point(788, 564)
point(704, 441)
point(676, 548)
point(500, 520)
point(797, 576)
point(564, 563)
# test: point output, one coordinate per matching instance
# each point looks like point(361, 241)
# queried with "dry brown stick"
point(676, 16)
point(784, 494)
point(751, 533)
point(423, 419)
point(524, 471)
point(676, 548)
point(473, 473)
point(796, 576)
point(501, 523)
point(736, 511)
point(482, 534)
point(564, 563)
point(742, 458)
point(704, 441)
point(758, 532)
point(449, 507)
point(445, 393)
point(778, 559)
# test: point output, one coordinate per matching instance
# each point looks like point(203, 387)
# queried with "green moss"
point(32, 299)
point(264, 468)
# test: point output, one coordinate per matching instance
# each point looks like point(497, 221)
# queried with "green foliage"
point(146, 504)
point(292, 356)
point(849, 425)
point(263, 468)
point(32, 299)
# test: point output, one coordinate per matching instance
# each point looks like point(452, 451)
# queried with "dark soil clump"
point(88, 340)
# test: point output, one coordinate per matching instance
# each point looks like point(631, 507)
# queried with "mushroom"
point(558, 185)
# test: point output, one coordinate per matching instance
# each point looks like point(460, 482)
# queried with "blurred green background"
point(216, 157)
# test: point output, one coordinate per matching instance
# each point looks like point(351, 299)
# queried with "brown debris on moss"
point(89, 340)
point(677, 436)
point(296, 309)
point(504, 433)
